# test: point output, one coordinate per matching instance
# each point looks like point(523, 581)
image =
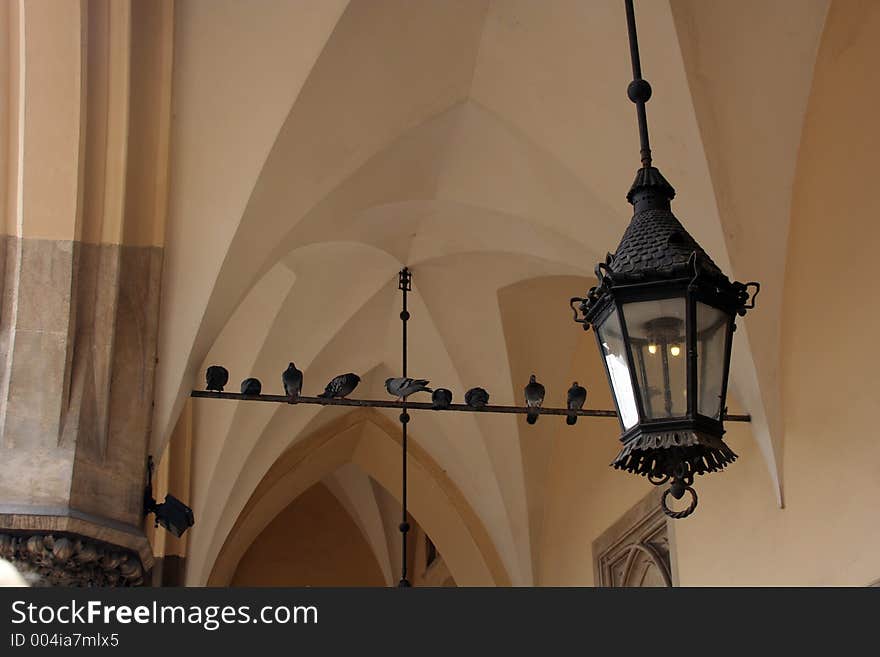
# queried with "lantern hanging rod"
point(639, 91)
point(423, 406)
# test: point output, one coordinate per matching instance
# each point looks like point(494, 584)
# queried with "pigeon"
point(441, 398)
point(476, 398)
point(341, 386)
point(534, 398)
point(577, 395)
point(251, 387)
point(292, 380)
point(216, 377)
point(403, 387)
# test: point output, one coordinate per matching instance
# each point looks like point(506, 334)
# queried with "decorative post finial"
point(404, 280)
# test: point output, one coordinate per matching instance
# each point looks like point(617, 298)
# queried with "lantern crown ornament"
point(664, 316)
point(655, 243)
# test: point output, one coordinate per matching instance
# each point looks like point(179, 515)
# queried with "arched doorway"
point(370, 442)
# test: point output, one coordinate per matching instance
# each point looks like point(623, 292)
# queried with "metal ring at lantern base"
point(679, 514)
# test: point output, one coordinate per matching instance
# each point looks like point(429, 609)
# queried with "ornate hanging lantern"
point(663, 314)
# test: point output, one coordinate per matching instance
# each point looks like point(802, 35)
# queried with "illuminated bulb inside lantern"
point(675, 350)
point(652, 349)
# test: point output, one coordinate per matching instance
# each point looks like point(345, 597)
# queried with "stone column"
point(80, 268)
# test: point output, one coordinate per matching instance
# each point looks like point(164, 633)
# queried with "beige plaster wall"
point(760, 91)
point(9, 70)
point(828, 533)
point(85, 119)
point(313, 542)
point(52, 63)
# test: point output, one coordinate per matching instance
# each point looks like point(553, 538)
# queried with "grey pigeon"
point(441, 398)
point(216, 377)
point(577, 395)
point(476, 398)
point(251, 387)
point(341, 386)
point(403, 387)
point(292, 380)
point(534, 398)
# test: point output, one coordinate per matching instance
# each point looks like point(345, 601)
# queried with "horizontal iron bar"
point(419, 406)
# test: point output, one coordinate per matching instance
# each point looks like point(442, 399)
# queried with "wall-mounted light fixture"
point(175, 516)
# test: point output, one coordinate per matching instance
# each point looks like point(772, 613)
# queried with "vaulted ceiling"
point(317, 147)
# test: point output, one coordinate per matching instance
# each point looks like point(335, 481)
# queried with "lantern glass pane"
point(614, 352)
point(712, 328)
point(657, 333)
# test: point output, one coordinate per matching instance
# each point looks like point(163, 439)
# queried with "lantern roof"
point(655, 244)
point(650, 178)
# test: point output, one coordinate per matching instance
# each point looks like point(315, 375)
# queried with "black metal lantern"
point(663, 314)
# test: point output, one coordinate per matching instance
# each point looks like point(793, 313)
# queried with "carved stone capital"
point(71, 560)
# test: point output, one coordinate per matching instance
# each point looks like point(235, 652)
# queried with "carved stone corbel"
point(69, 560)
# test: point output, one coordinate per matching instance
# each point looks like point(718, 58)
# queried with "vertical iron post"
point(405, 285)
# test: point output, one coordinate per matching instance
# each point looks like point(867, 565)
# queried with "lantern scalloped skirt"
point(674, 454)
